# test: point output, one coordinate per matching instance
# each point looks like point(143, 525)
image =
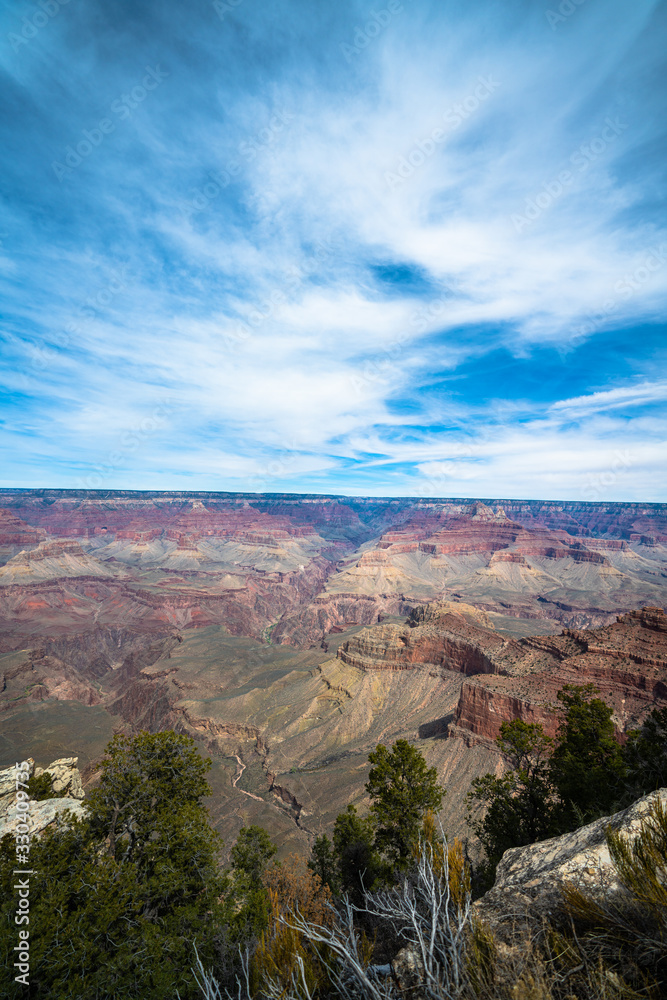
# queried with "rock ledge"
point(529, 879)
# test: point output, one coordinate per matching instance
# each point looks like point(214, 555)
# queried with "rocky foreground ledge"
point(529, 880)
point(66, 786)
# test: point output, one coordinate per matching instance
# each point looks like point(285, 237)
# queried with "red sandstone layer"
point(519, 679)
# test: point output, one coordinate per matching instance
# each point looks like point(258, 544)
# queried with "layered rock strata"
point(626, 661)
point(300, 567)
point(520, 678)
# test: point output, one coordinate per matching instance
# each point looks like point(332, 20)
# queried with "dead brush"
point(456, 956)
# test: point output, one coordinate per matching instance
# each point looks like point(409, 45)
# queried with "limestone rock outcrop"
point(529, 879)
point(42, 814)
point(407, 969)
point(66, 786)
point(65, 777)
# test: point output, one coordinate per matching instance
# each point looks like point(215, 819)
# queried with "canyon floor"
point(289, 635)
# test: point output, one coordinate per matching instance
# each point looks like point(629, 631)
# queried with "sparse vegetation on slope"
point(136, 891)
point(440, 950)
point(632, 923)
point(553, 786)
point(118, 897)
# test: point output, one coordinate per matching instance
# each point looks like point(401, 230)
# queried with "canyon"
point(290, 634)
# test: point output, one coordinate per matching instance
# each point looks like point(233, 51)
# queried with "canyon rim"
point(291, 634)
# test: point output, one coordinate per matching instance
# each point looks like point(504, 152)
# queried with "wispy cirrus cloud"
point(313, 263)
point(641, 394)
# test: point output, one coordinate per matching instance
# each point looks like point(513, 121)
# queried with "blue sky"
point(403, 249)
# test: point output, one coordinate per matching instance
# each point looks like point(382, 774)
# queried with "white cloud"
point(612, 399)
point(259, 318)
